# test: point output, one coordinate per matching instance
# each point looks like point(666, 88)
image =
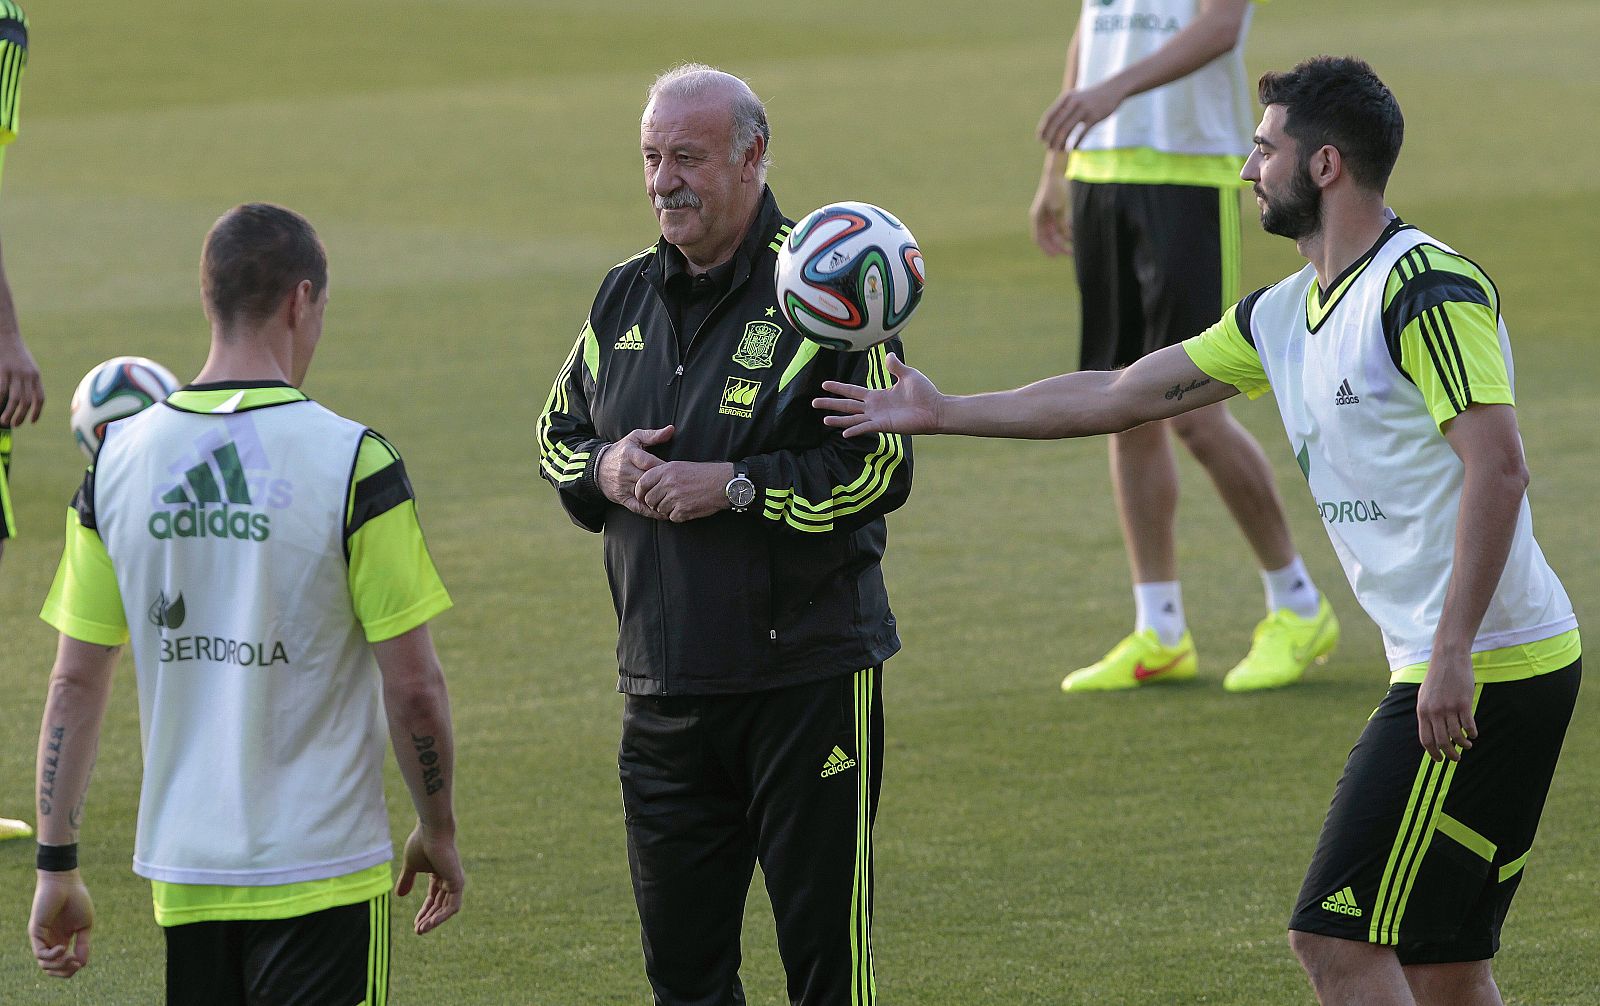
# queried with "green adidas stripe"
point(877, 471)
point(1228, 204)
point(1418, 825)
point(863, 984)
point(377, 951)
point(551, 450)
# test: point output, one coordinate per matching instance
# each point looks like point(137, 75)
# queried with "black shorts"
point(1156, 264)
point(1425, 857)
point(7, 524)
point(335, 957)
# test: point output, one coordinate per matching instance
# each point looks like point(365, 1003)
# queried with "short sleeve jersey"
point(1366, 374)
point(253, 620)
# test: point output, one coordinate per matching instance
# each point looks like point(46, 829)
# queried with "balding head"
point(693, 81)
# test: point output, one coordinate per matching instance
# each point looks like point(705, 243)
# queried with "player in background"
point(276, 597)
point(1391, 368)
point(1141, 187)
point(21, 391)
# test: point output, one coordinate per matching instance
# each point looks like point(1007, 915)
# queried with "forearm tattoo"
point(432, 775)
point(47, 771)
point(1177, 391)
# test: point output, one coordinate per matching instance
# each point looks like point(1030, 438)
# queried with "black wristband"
point(56, 858)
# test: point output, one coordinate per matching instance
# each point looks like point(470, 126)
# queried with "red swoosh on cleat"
point(1141, 672)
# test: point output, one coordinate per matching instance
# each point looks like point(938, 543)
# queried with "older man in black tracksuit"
point(742, 545)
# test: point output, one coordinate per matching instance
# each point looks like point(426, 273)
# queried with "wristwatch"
point(740, 490)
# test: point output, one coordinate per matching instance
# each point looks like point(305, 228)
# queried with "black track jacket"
point(789, 591)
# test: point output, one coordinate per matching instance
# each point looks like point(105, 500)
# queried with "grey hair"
point(692, 80)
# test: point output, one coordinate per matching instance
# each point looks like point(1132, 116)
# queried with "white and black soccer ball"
point(116, 389)
point(849, 276)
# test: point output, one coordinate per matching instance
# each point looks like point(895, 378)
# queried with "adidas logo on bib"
point(1345, 395)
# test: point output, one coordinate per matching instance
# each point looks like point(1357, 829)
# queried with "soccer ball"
point(116, 389)
point(849, 275)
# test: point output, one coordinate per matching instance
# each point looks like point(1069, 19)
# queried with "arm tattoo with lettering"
point(1177, 391)
point(432, 776)
point(47, 771)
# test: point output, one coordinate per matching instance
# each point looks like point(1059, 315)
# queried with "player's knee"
point(1322, 957)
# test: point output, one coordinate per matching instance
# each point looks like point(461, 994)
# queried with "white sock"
point(1291, 587)
point(1159, 606)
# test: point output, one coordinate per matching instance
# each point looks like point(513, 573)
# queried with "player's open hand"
point(911, 405)
point(1444, 708)
point(60, 923)
point(21, 390)
point(434, 854)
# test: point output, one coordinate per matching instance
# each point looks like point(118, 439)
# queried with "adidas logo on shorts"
point(1344, 903)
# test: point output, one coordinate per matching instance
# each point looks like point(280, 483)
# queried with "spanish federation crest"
point(757, 345)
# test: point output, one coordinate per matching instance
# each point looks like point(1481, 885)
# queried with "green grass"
point(472, 167)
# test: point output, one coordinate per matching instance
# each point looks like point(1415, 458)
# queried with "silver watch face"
point(741, 491)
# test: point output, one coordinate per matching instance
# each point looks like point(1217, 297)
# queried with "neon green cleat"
point(12, 828)
point(1283, 646)
point(1139, 659)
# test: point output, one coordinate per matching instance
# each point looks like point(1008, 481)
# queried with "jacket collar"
point(756, 242)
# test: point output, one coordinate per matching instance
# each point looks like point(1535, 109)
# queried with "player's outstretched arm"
point(1086, 403)
point(418, 707)
point(62, 916)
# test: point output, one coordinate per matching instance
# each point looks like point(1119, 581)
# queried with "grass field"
point(472, 167)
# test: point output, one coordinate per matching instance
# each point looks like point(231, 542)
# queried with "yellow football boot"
point(1139, 659)
point(1283, 646)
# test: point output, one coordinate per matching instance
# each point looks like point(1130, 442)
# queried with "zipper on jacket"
point(677, 398)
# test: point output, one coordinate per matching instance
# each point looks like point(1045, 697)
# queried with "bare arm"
point(1089, 402)
point(1213, 32)
point(1050, 213)
point(418, 707)
point(1496, 479)
point(80, 685)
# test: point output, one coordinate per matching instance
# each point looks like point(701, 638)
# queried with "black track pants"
point(712, 785)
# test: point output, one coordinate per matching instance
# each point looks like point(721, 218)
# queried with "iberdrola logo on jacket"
point(212, 502)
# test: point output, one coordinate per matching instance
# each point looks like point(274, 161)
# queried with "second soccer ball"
point(116, 389)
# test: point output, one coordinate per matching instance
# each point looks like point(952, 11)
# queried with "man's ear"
point(750, 163)
point(298, 304)
point(1327, 166)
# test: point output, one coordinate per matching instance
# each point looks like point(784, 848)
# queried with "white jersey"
point(1205, 112)
point(259, 697)
point(1385, 480)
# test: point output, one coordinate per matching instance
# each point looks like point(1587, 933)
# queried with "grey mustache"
point(681, 199)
